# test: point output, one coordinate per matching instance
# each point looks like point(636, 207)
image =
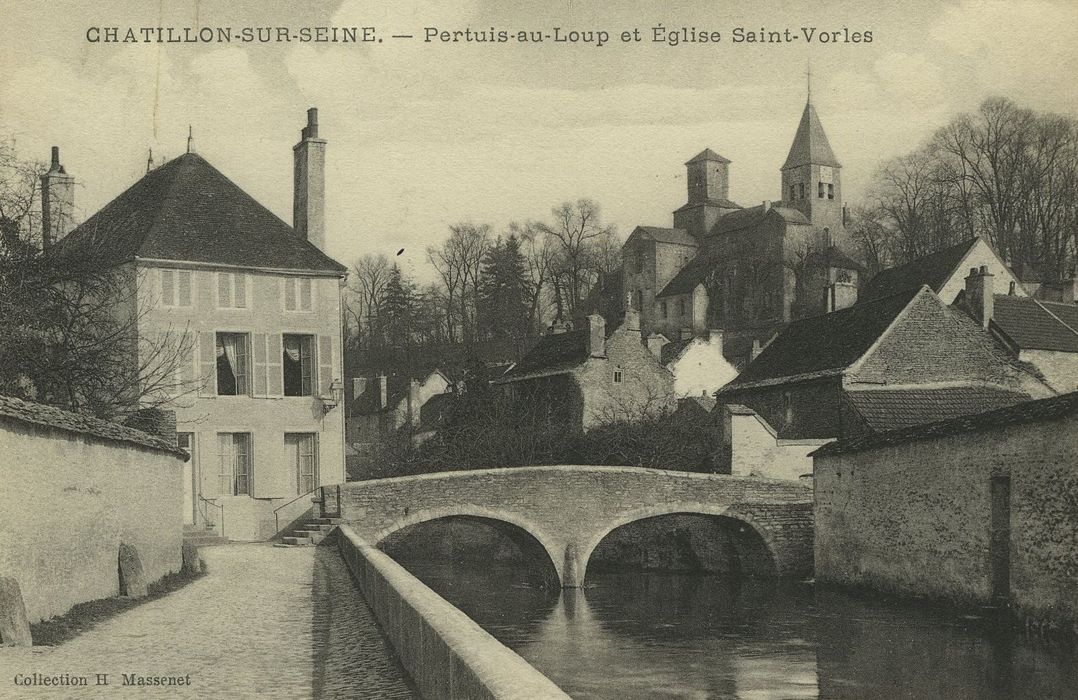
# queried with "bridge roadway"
point(569, 509)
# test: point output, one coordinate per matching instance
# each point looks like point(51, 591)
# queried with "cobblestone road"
point(265, 622)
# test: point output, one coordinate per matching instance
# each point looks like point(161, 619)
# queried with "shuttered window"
point(298, 294)
point(326, 365)
point(233, 464)
point(232, 290)
point(297, 364)
point(175, 288)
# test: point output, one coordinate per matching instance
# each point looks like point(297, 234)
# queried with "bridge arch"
point(734, 512)
point(553, 546)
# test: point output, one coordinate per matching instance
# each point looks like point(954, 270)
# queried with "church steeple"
point(811, 175)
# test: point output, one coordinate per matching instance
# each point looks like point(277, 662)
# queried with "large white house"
point(254, 307)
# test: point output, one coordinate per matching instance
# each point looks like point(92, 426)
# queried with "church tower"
point(812, 176)
point(708, 178)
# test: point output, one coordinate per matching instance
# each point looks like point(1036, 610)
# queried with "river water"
point(655, 635)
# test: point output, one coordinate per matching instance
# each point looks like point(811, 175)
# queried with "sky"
point(425, 135)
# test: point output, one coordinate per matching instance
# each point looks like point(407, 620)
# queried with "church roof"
point(933, 270)
point(186, 210)
point(810, 143)
point(667, 235)
point(707, 154)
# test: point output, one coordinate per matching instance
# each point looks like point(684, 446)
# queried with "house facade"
point(383, 405)
point(249, 309)
point(584, 377)
point(697, 363)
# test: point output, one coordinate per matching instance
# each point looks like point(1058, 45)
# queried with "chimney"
point(714, 338)
point(597, 335)
point(359, 386)
point(57, 202)
point(309, 184)
point(841, 295)
point(979, 291)
point(756, 349)
point(656, 342)
point(767, 205)
point(686, 333)
point(382, 392)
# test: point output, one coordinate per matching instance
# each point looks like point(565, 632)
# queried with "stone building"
point(698, 364)
point(252, 306)
point(881, 364)
point(976, 510)
point(584, 377)
point(725, 266)
point(384, 405)
point(1043, 334)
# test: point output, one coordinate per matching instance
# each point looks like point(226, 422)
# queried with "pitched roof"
point(752, 216)
point(667, 235)
point(554, 353)
point(822, 345)
point(934, 270)
point(52, 417)
point(369, 402)
point(672, 350)
point(1052, 408)
point(810, 143)
point(1033, 325)
point(707, 154)
point(709, 202)
point(433, 414)
point(187, 210)
point(1067, 313)
point(891, 409)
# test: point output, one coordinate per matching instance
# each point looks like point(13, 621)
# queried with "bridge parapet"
point(569, 509)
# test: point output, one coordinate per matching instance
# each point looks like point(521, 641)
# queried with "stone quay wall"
point(915, 517)
point(444, 651)
point(74, 490)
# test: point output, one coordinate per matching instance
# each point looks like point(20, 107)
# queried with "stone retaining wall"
point(444, 651)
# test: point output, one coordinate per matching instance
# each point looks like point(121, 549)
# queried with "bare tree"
point(366, 291)
point(580, 235)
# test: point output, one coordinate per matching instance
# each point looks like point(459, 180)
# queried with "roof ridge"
point(1053, 315)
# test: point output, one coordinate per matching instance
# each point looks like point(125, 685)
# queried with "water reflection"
point(635, 635)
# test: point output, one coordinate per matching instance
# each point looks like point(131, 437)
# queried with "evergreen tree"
point(399, 312)
point(505, 292)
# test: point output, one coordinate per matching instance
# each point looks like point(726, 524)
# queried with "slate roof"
point(753, 216)
point(1034, 325)
point(368, 403)
point(1052, 408)
point(673, 349)
point(707, 154)
point(668, 235)
point(1067, 313)
point(823, 345)
point(810, 143)
point(891, 409)
point(723, 203)
point(52, 417)
point(187, 210)
point(933, 270)
point(554, 353)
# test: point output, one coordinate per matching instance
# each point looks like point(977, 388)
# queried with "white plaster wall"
point(70, 500)
point(701, 368)
point(1060, 369)
point(756, 452)
point(981, 254)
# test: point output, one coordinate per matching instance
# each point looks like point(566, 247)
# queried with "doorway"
point(302, 457)
point(186, 441)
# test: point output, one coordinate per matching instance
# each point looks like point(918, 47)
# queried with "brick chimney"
point(656, 342)
point(309, 183)
point(597, 336)
point(979, 290)
point(57, 202)
point(841, 295)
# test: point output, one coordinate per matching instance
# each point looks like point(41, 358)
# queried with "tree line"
point(1005, 172)
point(487, 286)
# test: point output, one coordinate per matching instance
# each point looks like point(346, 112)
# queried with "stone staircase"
point(202, 535)
point(308, 531)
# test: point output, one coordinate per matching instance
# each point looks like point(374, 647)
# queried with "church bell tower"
point(812, 175)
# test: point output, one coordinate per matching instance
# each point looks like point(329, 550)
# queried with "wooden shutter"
point(168, 289)
point(304, 295)
point(289, 294)
point(188, 361)
point(240, 290)
point(224, 290)
point(183, 288)
point(325, 364)
point(207, 363)
point(258, 342)
point(274, 369)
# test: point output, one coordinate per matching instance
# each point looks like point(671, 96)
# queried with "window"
point(297, 363)
point(232, 364)
point(301, 455)
point(638, 261)
point(617, 375)
point(639, 300)
point(176, 288)
point(830, 191)
point(800, 190)
point(793, 193)
point(681, 307)
point(820, 190)
point(298, 294)
point(662, 308)
point(231, 290)
point(233, 464)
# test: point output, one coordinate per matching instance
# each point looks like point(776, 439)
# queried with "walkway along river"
point(692, 635)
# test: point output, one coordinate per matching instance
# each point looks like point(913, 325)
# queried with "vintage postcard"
point(486, 349)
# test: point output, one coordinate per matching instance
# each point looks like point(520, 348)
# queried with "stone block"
point(14, 627)
point(132, 577)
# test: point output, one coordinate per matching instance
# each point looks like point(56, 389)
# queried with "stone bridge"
point(568, 510)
